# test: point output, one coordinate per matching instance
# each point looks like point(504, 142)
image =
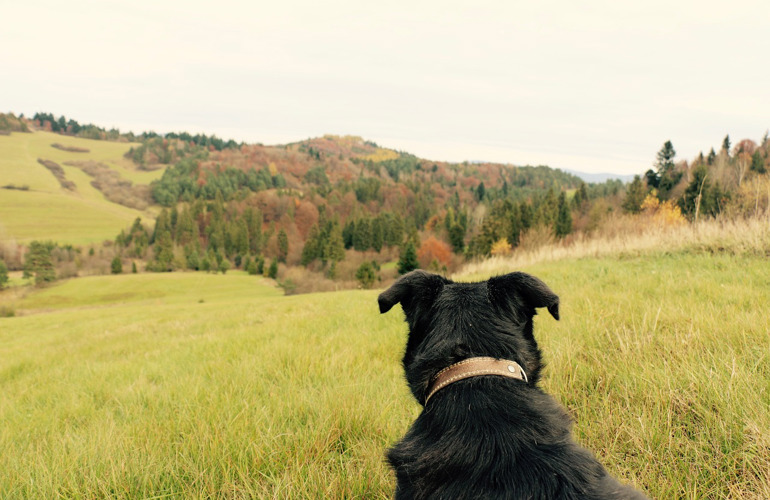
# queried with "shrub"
point(366, 275)
point(272, 271)
point(408, 260)
point(501, 247)
point(3, 275)
point(116, 266)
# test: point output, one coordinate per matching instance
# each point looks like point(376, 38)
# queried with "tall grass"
point(628, 235)
point(191, 385)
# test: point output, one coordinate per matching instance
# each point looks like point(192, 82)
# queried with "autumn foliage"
point(434, 251)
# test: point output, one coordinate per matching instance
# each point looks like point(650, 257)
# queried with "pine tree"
point(758, 162)
point(272, 272)
point(378, 234)
point(634, 196)
point(362, 236)
point(164, 253)
point(3, 275)
point(563, 224)
point(692, 198)
point(366, 274)
point(711, 157)
point(241, 237)
point(311, 250)
point(726, 145)
point(480, 191)
point(347, 233)
point(666, 176)
point(162, 225)
point(408, 259)
point(254, 226)
point(39, 263)
point(116, 265)
point(334, 249)
point(283, 245)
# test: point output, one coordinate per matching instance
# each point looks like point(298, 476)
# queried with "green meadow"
point(45, 210)
point(191, 385)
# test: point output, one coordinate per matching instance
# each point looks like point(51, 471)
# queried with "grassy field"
point(46, 211)
point(209, 386)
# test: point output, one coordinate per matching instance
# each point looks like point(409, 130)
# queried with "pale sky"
point(594, 86)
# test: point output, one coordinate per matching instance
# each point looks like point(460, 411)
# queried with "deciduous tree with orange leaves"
point(434, 249)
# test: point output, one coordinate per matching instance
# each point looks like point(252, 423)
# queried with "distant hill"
point(599, 178)
point(46, 191)
point(216, 204)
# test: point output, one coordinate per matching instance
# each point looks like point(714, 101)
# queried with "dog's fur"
point(488, 436)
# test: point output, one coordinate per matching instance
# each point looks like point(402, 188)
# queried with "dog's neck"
point(475, 367)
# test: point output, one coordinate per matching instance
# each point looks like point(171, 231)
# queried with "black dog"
point(485, 436)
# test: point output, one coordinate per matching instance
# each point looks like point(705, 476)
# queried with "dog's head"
point(451, 321)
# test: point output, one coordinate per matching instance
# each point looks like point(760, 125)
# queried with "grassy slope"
point(130, 386)
point(48, 212)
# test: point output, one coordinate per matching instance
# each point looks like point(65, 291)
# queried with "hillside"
point(35, 204)
point(333, 211)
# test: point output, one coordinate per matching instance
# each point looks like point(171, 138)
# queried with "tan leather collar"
point(474, 367)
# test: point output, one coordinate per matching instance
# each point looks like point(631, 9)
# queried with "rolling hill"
point(35, 205)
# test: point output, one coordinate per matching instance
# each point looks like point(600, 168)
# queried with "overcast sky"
point(593, 86)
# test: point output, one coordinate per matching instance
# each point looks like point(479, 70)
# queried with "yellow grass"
point(630, 236)
point(46, 211)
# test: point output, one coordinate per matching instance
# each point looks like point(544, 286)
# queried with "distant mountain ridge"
point(600, 177)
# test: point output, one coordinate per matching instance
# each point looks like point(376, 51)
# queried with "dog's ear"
point(531, 291)
point(414, 290)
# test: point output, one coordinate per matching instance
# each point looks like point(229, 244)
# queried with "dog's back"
point(490, 437)
point(485, 436)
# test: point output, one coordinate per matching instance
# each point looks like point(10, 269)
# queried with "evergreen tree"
point(241, 237)
point(378, 234)
point(563, 224)
point(726, 145)
point(283, 245)
point(162, 225)
point(666, 175)
point(347, 233)
point(164, 253)
point(216, 234)
point(311, 250)
point(254, 226)
point(38, 262)
point(408, 259)
point(116, 265)
point(525, 210)
point(362, 236)
point(457, 237)
point(334, 248)
point(758, 162)
point(547, 209)
point(3, 275)
point(133, 267)
point(272, 272)
point(634, 196)
point(193, 259)
point(515, 226)
point(366, 274)
point(480, 191)
point(711, 157)
point(689, 201)
point(184, 232)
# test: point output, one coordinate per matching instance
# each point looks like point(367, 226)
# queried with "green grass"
point(48, 212)
point(191, 385)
